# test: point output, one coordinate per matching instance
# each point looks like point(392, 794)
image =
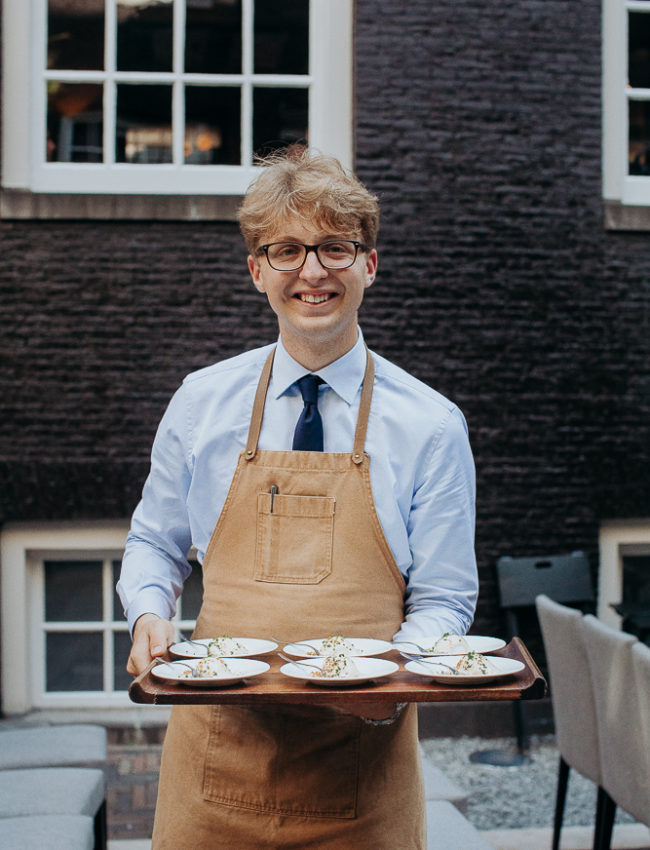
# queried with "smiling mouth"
point(314, 299)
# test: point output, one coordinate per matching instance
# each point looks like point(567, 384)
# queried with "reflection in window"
point(144, 124)
point(280, 118)
point(74, 661)
point(212, 125)
point(639, 107)
point(282, 37)
point(74, 122)
point(75, 35)
point(639, 137)
point(144, 35)
point(121, 650)
point(213, 37)
point(73, 590)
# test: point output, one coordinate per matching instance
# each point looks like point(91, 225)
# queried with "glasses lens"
point(286, 255)
point(337, 255)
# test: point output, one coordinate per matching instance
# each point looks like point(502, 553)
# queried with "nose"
point(312, 270)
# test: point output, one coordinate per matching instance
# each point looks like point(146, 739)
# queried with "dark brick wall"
point(479, 127)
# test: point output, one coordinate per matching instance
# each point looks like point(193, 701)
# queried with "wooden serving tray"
point(401, 686)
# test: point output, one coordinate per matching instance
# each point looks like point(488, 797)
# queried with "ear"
point(371, 267)
point(255, 270)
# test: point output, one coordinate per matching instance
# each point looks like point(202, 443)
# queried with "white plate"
point(252, 646)
point(361, 647)
point(428, 669)
point(477, 643)
point(369, 669)
point(171, 672)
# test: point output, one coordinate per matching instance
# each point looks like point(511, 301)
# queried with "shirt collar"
point(344, 375)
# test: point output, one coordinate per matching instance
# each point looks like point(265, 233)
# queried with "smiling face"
point(316, 307)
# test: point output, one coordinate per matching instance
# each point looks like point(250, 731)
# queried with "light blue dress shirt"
point(421, 471)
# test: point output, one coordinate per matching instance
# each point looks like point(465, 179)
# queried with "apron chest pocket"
point(294, 538)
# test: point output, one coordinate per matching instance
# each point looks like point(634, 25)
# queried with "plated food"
point(209, 672)
point(337, 670)
point(471, 668)
point(338, 645)
point(222, 646)
point(451, 644)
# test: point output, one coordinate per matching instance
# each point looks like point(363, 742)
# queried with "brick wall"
point(479, 127)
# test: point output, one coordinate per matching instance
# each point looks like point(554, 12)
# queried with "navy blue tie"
point(308, 436)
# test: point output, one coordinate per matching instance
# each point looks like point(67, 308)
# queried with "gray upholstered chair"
point(48, 746)
point(641, 666)
point(55, 791)
point(620, 727)
point(574, 708)
point(565, 578)
point(47, 832)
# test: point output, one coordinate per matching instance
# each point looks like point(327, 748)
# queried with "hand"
point(151, 637)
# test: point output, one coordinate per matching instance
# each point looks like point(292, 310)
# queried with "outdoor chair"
point(623, 759)
point(574, 708)
point(563, 578)
point(55, 791)
point(53, 746)
point(641, 665)
point(47, 832)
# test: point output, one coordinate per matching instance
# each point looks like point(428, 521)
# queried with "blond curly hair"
point(313, 187)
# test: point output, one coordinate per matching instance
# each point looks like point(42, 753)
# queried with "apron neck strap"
point(258, 408)
point(364, 409)
point(362, 420)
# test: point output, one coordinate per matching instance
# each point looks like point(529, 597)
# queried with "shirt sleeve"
point(442, 583)
point(155, 563)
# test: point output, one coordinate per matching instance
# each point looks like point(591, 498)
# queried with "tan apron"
point(308, 562)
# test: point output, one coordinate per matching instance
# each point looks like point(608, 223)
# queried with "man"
point(341, 504)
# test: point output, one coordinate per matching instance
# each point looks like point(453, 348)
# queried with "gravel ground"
point(514, 797)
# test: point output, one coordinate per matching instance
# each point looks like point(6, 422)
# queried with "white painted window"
point(65, 641)
point(169, 97)
point(626, 102)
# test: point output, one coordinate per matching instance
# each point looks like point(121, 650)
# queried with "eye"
point(337, 249)
point(285, 251)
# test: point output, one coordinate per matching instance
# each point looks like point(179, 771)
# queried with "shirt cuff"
point(148, 601)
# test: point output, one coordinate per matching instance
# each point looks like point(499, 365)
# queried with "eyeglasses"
point(291, 256)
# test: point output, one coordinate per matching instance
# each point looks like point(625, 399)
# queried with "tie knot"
point(309, 388)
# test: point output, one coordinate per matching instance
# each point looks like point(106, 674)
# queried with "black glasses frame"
point(358, 246)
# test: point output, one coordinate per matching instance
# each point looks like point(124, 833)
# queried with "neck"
point(315, 354)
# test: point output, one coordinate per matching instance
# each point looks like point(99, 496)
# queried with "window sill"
point(620, 216)
point(22, 204)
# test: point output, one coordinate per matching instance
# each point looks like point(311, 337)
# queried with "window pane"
point(144, 35)
point(279, 118)
point(75, 35)
point(639, 50)
point(144, 128)
point(213, 37)
point(282, 37)
point(73, 591)
point(118, 611)
point(74, 122)
point(212, 125)
point(639, 136)
point(121, 649)
point(636, 580)
point(74, 662)
point(192, 593)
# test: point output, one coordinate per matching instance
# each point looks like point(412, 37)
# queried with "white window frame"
point(626, 196)
point(617, 539)
point(23, 549)
point(24, 35)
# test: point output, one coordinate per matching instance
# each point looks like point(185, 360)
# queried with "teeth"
point(314, 299)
